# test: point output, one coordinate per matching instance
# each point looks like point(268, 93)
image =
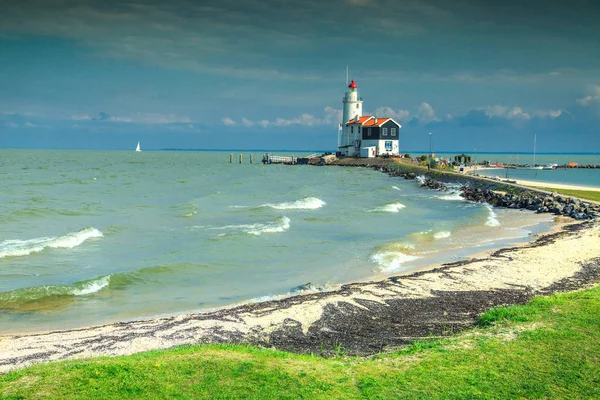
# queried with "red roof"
point(380, 121)
point(361, 120)
point(368, 120)
point(352, 85)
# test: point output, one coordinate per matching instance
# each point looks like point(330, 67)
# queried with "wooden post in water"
point(293, 159)
point(250, 158)
point(230, 158)
point(240, 158)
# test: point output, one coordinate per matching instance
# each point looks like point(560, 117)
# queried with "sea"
point(588, 177)
point(93, 237)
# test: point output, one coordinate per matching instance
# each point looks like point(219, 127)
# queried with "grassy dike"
point(581, 194)
point(549, 348)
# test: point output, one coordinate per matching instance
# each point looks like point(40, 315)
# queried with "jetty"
point(288, 160)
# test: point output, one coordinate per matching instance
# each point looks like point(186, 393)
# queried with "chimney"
point(375, 120)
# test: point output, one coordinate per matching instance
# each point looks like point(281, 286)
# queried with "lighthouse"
point(365, 135)
point(352, 109)
point(352, 103)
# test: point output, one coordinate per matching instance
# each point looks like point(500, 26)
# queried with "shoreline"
point(535, 184)
point(364, 317)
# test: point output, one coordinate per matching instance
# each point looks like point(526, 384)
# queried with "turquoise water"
point(90, 237)
point(574, 176)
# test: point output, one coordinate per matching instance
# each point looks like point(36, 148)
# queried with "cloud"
point(549, 114)
point(137, 118)
point(398, 115)
point(591, 98)
point(426, 113)
point(505, 112)
point(359, 2)
point(228, 121)
point(81, 117)
point(518, 114)
point(331, 116)
point(247, 122)
point(255, 39)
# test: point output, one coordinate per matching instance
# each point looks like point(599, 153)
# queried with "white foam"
point(392, 261)
point(18, 248)
point(92, 286)
point(452, 196)
point(392, 207)
point(395, 188)
point(491, 221)
point(421, 179)
point(308, 203)
point(281, 224)
point(441, 235)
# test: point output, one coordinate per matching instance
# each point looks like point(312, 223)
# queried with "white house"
point(365, 135)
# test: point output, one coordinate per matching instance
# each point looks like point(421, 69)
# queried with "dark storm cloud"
point(270, 37)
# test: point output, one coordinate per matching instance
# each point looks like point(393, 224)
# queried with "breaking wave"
point(281, 224)
point(392, 261)
point(307, 203)
point(441, 235)
point(491, 220)
point(392, 207)
point(430, 235)
point(55, 296)
point(18, 248)
point(452, 196)
point(38, 297)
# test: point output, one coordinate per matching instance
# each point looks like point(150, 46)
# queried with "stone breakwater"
point(498, 194)
point(553, 203)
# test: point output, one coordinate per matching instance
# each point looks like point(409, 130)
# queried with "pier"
point(287, 160)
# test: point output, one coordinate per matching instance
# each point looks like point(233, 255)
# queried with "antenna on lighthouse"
point(346, 75)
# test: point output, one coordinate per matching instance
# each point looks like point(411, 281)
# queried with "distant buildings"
point(365, 135)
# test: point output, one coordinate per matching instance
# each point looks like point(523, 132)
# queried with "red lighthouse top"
point(352, 85)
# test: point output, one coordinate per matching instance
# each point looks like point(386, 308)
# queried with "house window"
point(393, 131)
point(384, 132)
point(351, 129)
point(356, 105)
point(369, 132)
point(388, 145)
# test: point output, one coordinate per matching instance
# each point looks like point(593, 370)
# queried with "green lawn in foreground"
point(582, 194)
point(547, 349)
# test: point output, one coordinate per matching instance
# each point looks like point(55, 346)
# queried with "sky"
point(481, 76)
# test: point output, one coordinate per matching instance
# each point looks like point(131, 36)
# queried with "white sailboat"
point(138, 147)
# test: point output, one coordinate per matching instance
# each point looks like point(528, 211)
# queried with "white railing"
point(280, 159)
point(272, 159)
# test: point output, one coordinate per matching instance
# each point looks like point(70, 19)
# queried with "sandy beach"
point(365, 318)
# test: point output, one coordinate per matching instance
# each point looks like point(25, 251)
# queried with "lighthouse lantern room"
point(365, 135)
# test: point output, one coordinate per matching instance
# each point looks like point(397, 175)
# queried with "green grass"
point(549, 348)
point(582, 194)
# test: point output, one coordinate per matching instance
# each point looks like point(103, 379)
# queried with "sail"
point(138, 147)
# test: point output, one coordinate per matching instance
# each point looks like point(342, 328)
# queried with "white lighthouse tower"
point(352, 109)
point(352, 103)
